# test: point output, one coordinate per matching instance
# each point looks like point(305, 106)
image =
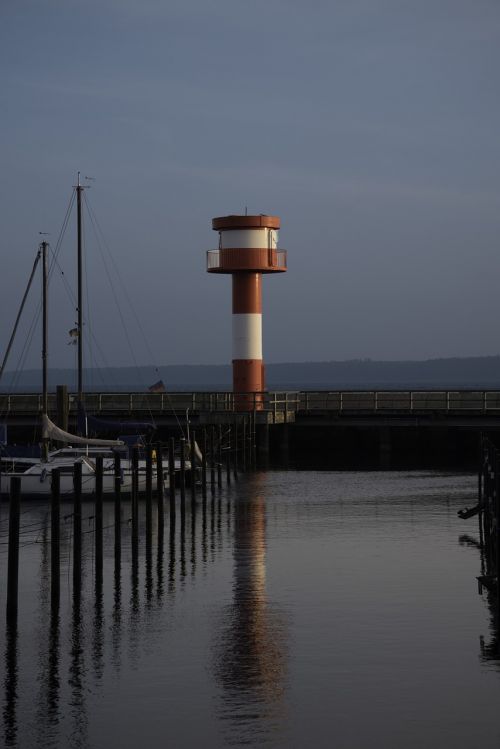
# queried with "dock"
point(389, 428)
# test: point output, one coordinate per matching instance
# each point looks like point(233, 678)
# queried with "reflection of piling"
point(13, 554)
point(171, 559)
point(53, 678)
point(55, 538)
point(149, 522)
point(183, 542)
point(193, 540)
point(11, 685)
point(77, 526)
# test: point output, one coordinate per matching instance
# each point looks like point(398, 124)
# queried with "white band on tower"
point(247, 336)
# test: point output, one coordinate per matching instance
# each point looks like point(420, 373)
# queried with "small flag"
point(158, 387)
point(73, 334)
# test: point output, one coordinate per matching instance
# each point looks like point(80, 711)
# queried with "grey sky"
point(370, 126)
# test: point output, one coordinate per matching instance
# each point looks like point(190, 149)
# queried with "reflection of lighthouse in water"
point(251, 648)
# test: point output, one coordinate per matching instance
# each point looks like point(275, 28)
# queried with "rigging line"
point(26, 347)
point(21, 360)
point(113, 291)
point(71, 294)
point(98, 231)
point(90, 337)
point(27, 344)
point(55, 254)
point(54, 262)
point(95, 368)
point(103, 358)
point(65, 223)
point(16, 324)
point(24, 351)
point(102, 242)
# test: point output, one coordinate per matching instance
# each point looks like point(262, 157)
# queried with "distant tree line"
point(472, 372)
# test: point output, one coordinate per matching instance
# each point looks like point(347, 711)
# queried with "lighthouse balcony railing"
point(237, 259)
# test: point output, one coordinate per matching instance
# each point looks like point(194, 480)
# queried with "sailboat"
point(35, 474)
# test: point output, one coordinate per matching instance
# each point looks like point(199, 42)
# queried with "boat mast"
point(23, 302)
point(79, 189)
point(45, 327)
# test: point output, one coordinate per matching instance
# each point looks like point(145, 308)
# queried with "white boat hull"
point(36, 477)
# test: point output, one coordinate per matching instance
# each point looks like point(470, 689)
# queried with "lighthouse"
point(248, 247)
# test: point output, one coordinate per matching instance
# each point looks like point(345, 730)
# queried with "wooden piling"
point(212, 458)
point(13, 553)
point(254, 439)
point(98, 519)
point(171, 476)
point(497, 525)
point(235, 451)
point(183, 472)
point(55, 539)
point(228, 456)
point(149, 493)
point(192, 473)
point(219, 458)
point(135, 500)
point(244, 443)
point(204, 465)
point(183, 544)
point(77, 527)
point(159, 486)
point(117, 508)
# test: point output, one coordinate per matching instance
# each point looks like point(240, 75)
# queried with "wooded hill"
point(472, 372)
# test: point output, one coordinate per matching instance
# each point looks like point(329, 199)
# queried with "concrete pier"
point(301, 428)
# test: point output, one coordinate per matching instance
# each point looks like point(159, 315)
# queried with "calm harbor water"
point(325, 609)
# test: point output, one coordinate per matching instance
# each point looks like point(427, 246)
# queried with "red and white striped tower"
point(248, 247)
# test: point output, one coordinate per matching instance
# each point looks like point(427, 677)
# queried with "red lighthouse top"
point(261, 221)
point(247, 244)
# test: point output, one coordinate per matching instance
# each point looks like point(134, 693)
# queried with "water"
point(299, 609)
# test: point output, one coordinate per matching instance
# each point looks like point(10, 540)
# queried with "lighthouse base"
point(248, 384)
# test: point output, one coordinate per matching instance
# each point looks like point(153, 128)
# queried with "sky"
point(371, 127)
